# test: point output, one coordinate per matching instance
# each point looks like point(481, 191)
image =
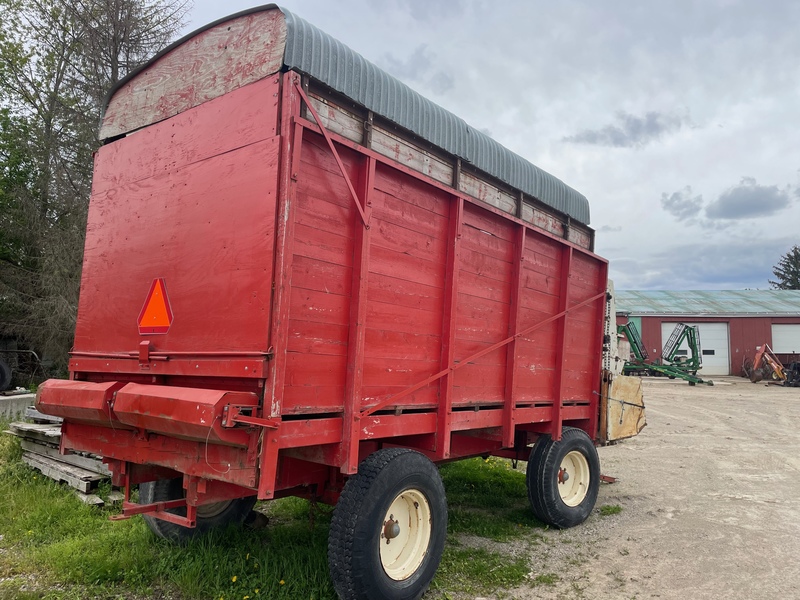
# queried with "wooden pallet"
point(81, 479)
point(40, 445)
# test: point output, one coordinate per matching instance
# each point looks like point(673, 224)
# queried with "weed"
point(546, 579)
point(610, 509)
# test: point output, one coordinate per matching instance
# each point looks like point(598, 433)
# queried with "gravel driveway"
point(710, 498)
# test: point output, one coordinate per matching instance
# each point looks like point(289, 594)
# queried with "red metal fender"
point(78, 401)
point(188, 413)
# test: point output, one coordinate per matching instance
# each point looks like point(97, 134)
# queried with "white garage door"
point(713, 344)
point(786, 339)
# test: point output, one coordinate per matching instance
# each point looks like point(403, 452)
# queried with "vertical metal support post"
point(449, 326)
point(291, 139)
point(513, 327)
point(358, 316)
point(597, 389)
point(561, 341)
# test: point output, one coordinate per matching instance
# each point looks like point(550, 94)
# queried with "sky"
point(677, 120)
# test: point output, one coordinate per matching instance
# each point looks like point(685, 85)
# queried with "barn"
point(730, 323)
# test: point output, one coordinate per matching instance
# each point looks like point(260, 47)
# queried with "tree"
point(787, 271)
point(58, 59)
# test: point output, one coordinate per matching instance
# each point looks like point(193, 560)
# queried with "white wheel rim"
point(405, 533)
point(573, 478)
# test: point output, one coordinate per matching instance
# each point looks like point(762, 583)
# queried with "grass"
point(487, 498)
point(54, 546)
point(610, 509)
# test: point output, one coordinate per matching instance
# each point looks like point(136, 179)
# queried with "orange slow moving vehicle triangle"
point(156, 315)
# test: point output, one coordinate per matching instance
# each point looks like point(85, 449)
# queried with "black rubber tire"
point(172, 489)
point(355, 533)
point(542, 478)
point(5, 376)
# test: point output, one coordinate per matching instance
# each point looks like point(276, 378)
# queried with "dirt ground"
point(710, 498)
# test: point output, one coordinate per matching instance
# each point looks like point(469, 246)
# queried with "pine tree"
point(787, 271)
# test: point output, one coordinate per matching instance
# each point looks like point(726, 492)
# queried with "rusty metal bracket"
point(238, 414)
point(156, 509)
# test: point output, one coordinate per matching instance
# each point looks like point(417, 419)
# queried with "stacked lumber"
point(40, 442)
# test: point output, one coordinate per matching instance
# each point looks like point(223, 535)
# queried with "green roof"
point(782, 303)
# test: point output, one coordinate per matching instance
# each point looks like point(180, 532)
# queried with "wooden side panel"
point(319, 312)
point(242, 117)
point(199, 212)
point(410, 238)
point(486, 192)
point(483, 308)
point(540, 285)
point(408, 252)
point(219, 60)
point(582, 343)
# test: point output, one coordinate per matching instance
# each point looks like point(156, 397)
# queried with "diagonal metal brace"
point(477, 355)
point(336, 156)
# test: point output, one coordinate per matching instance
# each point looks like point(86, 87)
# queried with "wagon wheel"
point(563, 478)
point(209, 516)
point(388, 529)
point(747, 367)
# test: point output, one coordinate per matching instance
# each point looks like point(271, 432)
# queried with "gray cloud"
point(748, 200)
point(630, 131)
point(419, 67)
point(610, 229)
point(681, 204)
point(733, 265)
point(426, 11)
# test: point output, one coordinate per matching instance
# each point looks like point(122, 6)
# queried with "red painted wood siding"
point(409, 232)
point(191, 200)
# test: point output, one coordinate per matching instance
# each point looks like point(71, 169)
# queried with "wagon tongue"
point(188, 413)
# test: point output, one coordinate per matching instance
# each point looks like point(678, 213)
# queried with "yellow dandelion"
point(246, 598)
point(282, 582)
point(233, 579)
point(247, 557)
point(256, 590)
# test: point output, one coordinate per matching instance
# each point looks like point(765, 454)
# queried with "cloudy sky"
point(678, 120)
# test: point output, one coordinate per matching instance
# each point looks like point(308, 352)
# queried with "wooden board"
point(219, 60)
point(81, 479)
point(37, 417)
point(94, 465)
point(625, 410)
point(49, 434)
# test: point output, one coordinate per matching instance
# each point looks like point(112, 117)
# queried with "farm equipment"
point(672, 364)
point(302, 278)
point(765, 366)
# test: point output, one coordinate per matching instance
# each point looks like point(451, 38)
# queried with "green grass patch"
point(477, 570)
point(54, 546)
point(546, 579)
point(610, 509)
point(488, 498)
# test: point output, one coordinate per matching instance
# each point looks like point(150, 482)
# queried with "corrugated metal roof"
point(710, 303)
point(314, 52)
